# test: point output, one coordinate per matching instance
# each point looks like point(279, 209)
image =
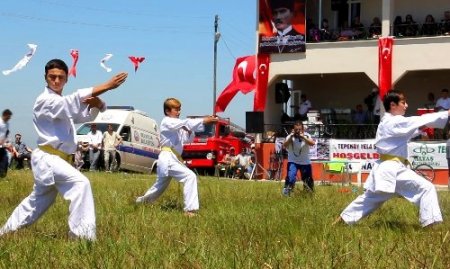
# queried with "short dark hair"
point(289, 4)
point(58, 64)
point(6, 112)
point(392, 96)
point(444, 90)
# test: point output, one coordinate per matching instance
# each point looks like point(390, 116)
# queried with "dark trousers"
point(20, 159)
point(3, 162)
point(306, 172)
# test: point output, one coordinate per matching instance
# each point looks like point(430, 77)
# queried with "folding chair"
point(334, 167)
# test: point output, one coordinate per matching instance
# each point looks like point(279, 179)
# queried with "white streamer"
point(105, 59)
point(23, 62)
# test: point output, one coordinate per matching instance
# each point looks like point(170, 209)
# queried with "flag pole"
point(216, 40)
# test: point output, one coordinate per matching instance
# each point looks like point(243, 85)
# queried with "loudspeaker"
point(282, 93)
point(254, 122)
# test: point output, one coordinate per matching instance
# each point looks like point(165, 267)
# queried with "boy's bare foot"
point(190, 214)
point(337, 220)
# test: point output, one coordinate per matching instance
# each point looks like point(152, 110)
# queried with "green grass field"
point(241, 224)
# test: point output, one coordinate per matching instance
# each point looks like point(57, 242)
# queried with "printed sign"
point(433, 154)
point(355, 150)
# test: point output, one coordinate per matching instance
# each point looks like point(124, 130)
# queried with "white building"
point(340, 74)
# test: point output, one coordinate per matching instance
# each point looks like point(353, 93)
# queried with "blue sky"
point(176, 37)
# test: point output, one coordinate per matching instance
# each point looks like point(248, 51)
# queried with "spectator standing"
point(371, 102)
point(4, 131)
point(297, 145)
point(111, 140)
point(305, 106)
point(95, 144)
point(360, 116)
point(23, 152)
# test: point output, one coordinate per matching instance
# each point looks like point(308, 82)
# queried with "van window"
point(102, 127)
point(209, 131)
point(125, 133)
point(224, 130)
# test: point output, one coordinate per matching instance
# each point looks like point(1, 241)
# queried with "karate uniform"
point(170, 166)
point(392, 177)
point(54, 117)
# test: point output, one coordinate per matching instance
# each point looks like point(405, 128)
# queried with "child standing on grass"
point(391, 175)
point(174, 134)
point(54, 117)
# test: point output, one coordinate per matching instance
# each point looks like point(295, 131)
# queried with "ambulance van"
point(140, 148)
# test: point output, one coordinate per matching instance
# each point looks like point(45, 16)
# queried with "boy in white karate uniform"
point(391, 175)
point(54, 117)
point(174, 134)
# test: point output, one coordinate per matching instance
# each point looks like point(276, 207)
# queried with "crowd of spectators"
point(357, 31)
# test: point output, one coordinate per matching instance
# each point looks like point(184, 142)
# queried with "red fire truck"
point(209, 146)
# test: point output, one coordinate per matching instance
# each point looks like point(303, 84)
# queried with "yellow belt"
point(170, 149)
point(50, 150)
point(388, 157)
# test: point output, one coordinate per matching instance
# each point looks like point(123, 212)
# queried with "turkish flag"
point(259, 102)
point(385, 47)
point(244, 81)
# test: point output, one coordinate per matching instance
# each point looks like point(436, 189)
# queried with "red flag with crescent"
point(259, 102)
point(243, 81)
point(136, 61)
point(249, 73)
point(385, 48)
point(73, 69)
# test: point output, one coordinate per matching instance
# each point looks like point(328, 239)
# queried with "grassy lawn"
point(241, 225)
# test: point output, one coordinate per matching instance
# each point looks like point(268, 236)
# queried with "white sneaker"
point(140, 200)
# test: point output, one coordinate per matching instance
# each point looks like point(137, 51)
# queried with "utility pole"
point(216, 40)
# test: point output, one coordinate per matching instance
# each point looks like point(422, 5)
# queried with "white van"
point(140, 146)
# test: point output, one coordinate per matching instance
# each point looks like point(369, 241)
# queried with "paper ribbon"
point(136, 61)
point(23, 62)
point(105, 59)
point(73, 69)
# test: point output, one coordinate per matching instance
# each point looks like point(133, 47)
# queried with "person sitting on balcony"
point(431, 102)
point(358, 28)
point(411, 27)
point(347, 32)
point(445, 23)
point(375, 28)
point(429, 27)
point(399, 27)
point(325, 32)
point(443, 103)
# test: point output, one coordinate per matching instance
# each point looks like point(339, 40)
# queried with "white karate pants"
point(170, 167)
point(52, 175)
point(411, 186)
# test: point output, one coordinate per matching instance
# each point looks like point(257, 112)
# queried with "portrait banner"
point(281, 26)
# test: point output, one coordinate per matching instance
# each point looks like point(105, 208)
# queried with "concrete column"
point(386, 17)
